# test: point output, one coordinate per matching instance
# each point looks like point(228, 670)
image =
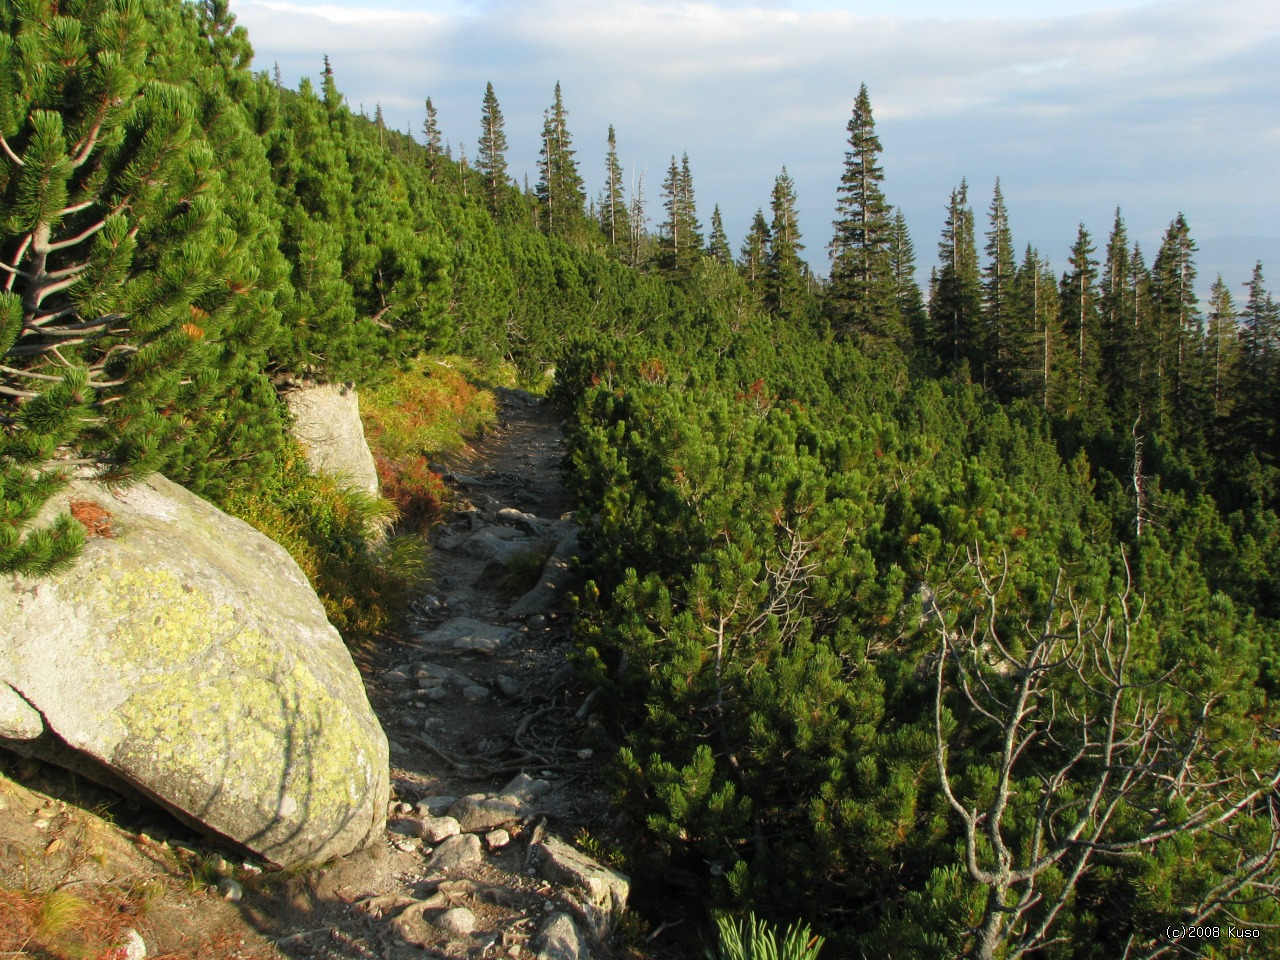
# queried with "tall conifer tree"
point(861, 292)
point(433, 143)
point(1037, 332)
point(1080, 323)
point(956, 305)
point(753, 262)
point(718, 245)
point(613, 201)
point(1118, 331)
point(997, 293)
point(491, 156)
point(1178, 335)
point(637, 225)
point(906, 292)
point(1222, 347)
point(786, 277)
point(560, 191)
point(681, 232)
point(1258, 394)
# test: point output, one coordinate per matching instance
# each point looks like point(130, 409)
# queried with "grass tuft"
point(754, 939)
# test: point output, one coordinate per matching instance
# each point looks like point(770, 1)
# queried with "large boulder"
point(186, 655)
point(327, 424)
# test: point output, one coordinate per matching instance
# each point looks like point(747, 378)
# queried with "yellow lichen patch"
point(158, 621)
point(252, 739)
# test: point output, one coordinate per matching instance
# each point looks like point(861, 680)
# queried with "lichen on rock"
point(189, 656)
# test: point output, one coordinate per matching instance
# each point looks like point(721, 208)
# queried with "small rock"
point(404, 828)
point(404, 808)
point(395, 676)
point(561, 939)
point(586, 753)
point(479, 812)
point(525, 788)
point(130, 947)
point(230, 890)
point(435, 829)
point(435, 806)
point(459, 922)
point(497, 839)
point(406, 844)
point(436, 694)
point(525, 521)
point(510, 686)
point(607, 889)
point(455, 851)
point(475, 693)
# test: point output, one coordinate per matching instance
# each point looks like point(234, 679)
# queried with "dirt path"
point(521, 712)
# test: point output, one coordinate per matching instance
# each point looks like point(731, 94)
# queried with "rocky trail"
point(491, 737)
point(494, 755)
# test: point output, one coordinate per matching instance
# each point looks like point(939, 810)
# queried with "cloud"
point(1148, 105)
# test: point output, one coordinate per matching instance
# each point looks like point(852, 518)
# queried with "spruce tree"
point(1222, 346)
point(906, 292)
point(681, 234)
point(753, 262)
point(955, 307)
point(560, 191)
point(861, 294)
point(1178, 335)
point(718, 245)
point(1036, 333)
point(1257, 414)
point(1145, 363)
point(491, 156)
point(786, 277)
point(613, 201)
point(1079, 312)
point(1118, 331)
point(997, 294)
point(433, 144)
point(637, 226)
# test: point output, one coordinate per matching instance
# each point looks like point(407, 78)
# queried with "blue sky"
point(1078, 107)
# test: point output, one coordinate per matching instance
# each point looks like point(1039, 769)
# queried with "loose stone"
point(459, 922)
point(497, 839)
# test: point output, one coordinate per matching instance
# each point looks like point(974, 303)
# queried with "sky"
point(1079, 107)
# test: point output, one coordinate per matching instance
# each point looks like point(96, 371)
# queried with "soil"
point(123, 866)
